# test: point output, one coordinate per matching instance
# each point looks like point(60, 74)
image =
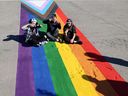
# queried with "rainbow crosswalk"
point(59, 69)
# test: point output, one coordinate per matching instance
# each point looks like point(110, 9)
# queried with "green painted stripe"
point(60, 78)
point(61, 81)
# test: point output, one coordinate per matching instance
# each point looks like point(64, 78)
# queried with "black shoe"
point(60, 40)
point(78, 42)
point(46, 38)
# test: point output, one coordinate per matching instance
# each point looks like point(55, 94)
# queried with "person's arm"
point(74, 34)
point(65, 30)
point(72, 40)
point(25, 27)
point(46, 21)
point(38, 25)
point(59, 26)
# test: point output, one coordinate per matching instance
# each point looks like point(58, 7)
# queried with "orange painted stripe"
point(92, 72)
point(74, 69)
point(112, 76)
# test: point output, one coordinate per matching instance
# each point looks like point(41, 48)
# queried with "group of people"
point(52, 34)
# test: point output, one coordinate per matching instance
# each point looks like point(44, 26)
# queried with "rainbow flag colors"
point(40, 6)
point(59, 69)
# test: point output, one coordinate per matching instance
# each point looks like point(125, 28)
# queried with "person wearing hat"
point(70, 33)
point(52, 27)
point(32, 30)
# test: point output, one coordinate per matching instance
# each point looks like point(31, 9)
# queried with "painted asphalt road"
point(104, 22)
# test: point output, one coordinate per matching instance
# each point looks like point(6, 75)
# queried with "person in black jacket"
point(70, 33)
point(32, 33)
point(52, 27)
point(32, 29)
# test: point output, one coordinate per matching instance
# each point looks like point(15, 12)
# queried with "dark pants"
point(68, 38)
point(53, 35)
point(35, 39)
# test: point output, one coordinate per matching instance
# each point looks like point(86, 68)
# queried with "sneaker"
point(60, 40)
point(78, 42)
point(57, 40)
point(43, 42)
point(46, 42)
point(39, 44)
point(46, 38)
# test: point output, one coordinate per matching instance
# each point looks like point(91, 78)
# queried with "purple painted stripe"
point(25, 79)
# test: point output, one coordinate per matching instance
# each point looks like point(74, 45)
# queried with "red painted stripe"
point(61, 14)
point(112, 76)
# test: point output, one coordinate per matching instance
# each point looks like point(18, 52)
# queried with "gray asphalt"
point(9, 25)
point(103, 22)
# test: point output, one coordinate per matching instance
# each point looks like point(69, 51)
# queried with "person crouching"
point(70, 36)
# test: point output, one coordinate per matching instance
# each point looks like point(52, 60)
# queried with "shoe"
point(57, 40)
point(78, 42)
point(39, 44)
point(44, 42)
point(60, 40)
point(46, 38)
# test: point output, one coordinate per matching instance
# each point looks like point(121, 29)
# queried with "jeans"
point(53, 36)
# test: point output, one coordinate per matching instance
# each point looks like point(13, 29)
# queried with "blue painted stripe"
point(42, 78)
point(43, 81)
point(43, 11)
point(47, 7)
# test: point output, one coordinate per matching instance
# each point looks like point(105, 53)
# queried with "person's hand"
point(71, 41)
point(25, 27)
point(55, 20)
point(40, 25)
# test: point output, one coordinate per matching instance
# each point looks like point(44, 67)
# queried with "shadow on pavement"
point(18, 38)
point(120, 87)
point(96, 57)
point(45, 93)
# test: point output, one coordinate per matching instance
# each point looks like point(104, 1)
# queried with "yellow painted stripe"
point(92, 72)
point(83, 87)
point(90, 69)
point(100, 84)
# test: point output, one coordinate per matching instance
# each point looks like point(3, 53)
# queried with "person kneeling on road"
point(52, 28)
point(70, 33)
point(31, 29)
point(32, 32)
